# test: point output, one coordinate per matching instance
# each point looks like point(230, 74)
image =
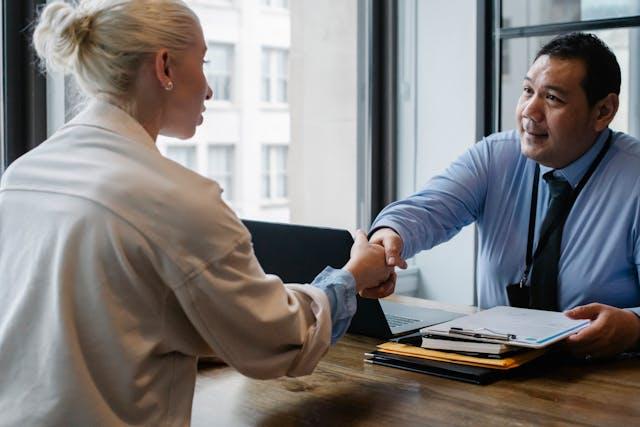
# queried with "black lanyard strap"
point(534, 202)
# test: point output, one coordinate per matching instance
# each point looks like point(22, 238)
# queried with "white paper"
point(532, 328)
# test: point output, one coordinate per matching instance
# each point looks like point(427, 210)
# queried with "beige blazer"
point(119, 268)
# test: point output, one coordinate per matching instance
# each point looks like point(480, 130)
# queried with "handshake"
point(373, 262)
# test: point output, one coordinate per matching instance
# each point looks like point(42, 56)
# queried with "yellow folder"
point(423, 353)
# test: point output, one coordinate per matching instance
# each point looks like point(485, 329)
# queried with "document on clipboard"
point(510, 325)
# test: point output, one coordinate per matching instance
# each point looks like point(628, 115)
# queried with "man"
point(582, 253)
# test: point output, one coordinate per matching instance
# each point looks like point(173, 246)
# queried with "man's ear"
point(605, 110)
point(162, 68)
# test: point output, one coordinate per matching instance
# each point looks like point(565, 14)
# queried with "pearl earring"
point(169, 86)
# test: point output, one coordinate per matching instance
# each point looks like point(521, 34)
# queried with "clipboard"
point(520, 327)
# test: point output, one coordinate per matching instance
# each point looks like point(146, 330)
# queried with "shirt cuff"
point(340, 288)
point(635, 310)
point(407, 244)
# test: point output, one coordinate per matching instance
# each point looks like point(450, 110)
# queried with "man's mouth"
point(536, 133)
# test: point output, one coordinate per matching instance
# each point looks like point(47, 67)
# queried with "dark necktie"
point(544, 271)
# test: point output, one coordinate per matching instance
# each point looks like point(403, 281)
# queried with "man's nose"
point(533, 109)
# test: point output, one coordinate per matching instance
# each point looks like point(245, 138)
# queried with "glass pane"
point(322, 113)
point(219, 70)
point(436, 123)
point(266, 75)
point(283, 63)
point(220, 167)
point(519, 53)
point(186, 156)
point(520, 13)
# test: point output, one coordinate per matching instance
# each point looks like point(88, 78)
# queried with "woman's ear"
point(162, 67)
point(605, 110)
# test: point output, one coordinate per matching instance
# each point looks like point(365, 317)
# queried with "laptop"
point(297, 254)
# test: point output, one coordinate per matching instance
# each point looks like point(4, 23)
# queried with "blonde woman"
point(120, 267)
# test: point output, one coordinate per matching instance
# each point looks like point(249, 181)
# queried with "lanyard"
point(534, 202)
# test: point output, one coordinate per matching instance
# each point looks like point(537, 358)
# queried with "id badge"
point(518, 295)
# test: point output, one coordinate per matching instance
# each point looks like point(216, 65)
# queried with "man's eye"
point(527, 90)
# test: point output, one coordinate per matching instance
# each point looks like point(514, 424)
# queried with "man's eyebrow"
point(557, 89)
point(550, 87)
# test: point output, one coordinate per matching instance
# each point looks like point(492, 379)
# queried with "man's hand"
point(612, 330)
point(374, 278)
point(392, 244)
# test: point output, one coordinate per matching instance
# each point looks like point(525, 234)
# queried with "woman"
point(119, 266)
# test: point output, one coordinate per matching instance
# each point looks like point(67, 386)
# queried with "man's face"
point(555, 122)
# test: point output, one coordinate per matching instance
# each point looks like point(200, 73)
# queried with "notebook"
point(297, 253)
point(466, 373)
point(454, 344)
point(511, 362)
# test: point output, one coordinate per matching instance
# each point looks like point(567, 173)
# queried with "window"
point(323, 114)
point(436, 103)
point(185, 155)
point(539, 22)
point(220, 160)
point(219, 70)
point(275, 75)
point(274, 172)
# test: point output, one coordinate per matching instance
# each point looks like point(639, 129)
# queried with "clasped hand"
point(374, 278)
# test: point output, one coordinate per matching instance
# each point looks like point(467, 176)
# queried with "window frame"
point(273, 174)
point(230, 151)
point(230, 48)
point(272, 54)
point(24, 120)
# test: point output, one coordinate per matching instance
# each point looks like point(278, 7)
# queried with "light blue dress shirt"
point(340, 287)
point(491, 185)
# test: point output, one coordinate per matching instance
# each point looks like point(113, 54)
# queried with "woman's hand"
point(374, 278)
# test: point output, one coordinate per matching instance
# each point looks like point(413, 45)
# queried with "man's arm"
point(435, 214)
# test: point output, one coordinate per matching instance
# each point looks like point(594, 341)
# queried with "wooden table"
point(345, 391)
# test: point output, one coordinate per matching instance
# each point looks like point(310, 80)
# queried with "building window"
point(275, 75)
point(183, 154)
point(274, 175)
point(280, 4)
point(220, 159)
point(219, 69)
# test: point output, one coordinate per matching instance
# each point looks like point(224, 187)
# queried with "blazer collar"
point(104, 115)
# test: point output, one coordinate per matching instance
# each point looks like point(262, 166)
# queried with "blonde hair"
point(102, 42)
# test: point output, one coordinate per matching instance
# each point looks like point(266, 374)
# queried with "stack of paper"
point(476, 347)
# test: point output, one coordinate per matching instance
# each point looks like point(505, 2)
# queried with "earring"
point(168, 86)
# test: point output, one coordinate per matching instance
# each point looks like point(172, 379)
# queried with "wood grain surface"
point(345, 391)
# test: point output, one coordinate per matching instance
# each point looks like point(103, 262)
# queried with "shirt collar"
point(107, 116)
point(573, 172)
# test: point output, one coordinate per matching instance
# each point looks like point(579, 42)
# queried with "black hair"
point(602, 69)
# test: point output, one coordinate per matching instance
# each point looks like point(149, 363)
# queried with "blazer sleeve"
point(254, 322)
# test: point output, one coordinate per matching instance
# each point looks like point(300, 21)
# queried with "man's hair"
point(602, 69)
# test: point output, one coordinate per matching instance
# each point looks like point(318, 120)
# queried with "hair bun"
point(60, 32)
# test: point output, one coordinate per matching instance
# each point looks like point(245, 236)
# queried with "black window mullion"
point(384, 62)
point(25, 109)
point(567, 27)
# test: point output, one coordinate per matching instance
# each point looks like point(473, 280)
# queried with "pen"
point(474, 333)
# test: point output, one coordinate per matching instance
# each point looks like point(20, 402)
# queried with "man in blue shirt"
point(569, 97)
